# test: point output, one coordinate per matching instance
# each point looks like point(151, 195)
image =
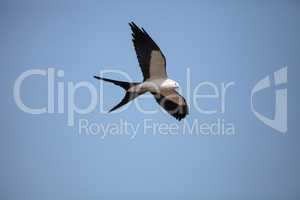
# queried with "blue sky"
point(44, 158)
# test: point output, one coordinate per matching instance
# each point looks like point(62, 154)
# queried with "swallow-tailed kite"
point(153, 65)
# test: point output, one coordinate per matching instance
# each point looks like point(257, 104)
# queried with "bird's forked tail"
point(125, 85)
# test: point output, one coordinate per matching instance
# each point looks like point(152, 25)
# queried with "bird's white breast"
point(156, 85)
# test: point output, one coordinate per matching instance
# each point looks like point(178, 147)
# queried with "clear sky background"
point(43, 158)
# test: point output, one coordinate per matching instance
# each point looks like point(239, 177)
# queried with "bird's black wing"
point(173, 103)
point(151, 59)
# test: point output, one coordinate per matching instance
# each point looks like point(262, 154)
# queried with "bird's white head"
point(170, 84)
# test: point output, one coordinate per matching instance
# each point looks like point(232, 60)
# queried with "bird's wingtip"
point(131, 23)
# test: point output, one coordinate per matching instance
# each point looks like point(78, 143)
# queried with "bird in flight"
point(153, 66)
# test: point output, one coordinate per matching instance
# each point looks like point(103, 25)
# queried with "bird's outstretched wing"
point(151, 59)
point(173, 103)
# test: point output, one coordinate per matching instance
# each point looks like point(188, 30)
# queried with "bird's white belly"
point(155, 85)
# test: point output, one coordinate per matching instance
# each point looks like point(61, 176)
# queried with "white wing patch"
point(157, 66)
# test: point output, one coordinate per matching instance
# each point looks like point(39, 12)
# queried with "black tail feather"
point(128, 97)
point(122, 84)
point(125, 85)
